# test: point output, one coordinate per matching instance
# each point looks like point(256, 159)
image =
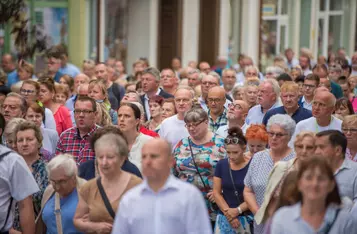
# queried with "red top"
point(148, 132)
point(63, 119)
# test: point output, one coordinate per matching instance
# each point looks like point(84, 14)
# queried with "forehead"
point(209, 78)
point(126, 110)
point(265, 86)
point(322, 96)
point(322, 140)
point(182, 93)
point(216, 93)
point(276, 128)
point(28, 86)
point(12, 100)
point(167, 71)
point(147, 76)
point(83, 105)
point(27, 132)
point(204, 65)
point(100, 67)
point(252, 69)
point(227, 73)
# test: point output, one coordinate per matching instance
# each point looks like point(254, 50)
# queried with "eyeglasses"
point(27, 91)
point(209, 83)
point(183, 100)
point(232, 140)
point(351, 130)
point(194, 125)
point(60, 182)
point(276, 134)
point(215, 100)
point(235, 106)
point(306, 86)
point(86, 112)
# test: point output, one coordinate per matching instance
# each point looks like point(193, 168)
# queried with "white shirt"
point(177, 208)
point(135, 152)
point(49, 120)
point(256, 115)
point(307, 71)
point(223, 130)
point(146, 103)
point(305, 104)
point(173, 130)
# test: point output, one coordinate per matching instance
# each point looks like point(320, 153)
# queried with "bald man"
point(237, 111)
point(157, 204)
point(323, 106)
point(217, 113)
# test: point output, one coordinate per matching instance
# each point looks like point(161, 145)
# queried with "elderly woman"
point(257, 139)
point(304, 148)
point(197, 156)
point(238, 92)
point(92, 215)
point(250, 94)
point(349, 128)
point(64, 187)
point(280, 129)
point(9, 133)
point(155, 108)
point(318, 208)
point(28, 139)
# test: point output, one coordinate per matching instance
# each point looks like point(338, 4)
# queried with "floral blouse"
point(40, 174)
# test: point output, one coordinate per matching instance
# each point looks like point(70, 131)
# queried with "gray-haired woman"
point(197, 155)
point(280, 129)
point(60, 198)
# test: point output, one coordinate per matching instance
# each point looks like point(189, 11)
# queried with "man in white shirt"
point(229, 80)
point(162, 203)
point(304, 62)
point(173, 128)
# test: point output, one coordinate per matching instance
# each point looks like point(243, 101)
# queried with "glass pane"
point(282, 39)
point(322, 5)
point(335, 5)
point(320, 37)
point(93, 22)
point(284, 7)
point(270, 7)
point(268, 42)
point(334, 31)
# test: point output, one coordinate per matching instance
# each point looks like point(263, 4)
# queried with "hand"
point(103, 228)
point(210, 196)
point(235, 223)
point(231, 213)
point(13, 231)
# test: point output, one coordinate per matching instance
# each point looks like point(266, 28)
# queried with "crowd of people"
point(197, 149)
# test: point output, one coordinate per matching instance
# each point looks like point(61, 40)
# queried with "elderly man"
point(8, 65)
point(268, 98)
point(193, 78)
point(151, 87)
point(217, 113)
point(14, 106)
point(161, 197)
point(173, 128)
point(331, 144)
point(229, 80)
point(75, 140)
point(237, 111)
point(204, 67)
point(169, 80)
point(78, 80)
point(311, 82)
point(289, 96)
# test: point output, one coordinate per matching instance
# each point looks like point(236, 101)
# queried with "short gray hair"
point(113, 140)
point(215, 75)
point(275, 86)
point(275, 70)
point(284, 121)
point(251, 67)
point(188, 88)
point(152, 71)
point(229, 70)
point(11, 126)
point(195, 115)
point(236, 89)
point(23, 105)
point(64, 161)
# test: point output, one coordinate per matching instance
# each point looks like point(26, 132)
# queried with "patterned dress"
point(257, 177)
point(206, 157)
point(40, 174)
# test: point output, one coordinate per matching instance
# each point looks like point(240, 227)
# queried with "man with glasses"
point(14, 106)
point(217, 113)
point(229, 80)
point(311, 82)
point(75, 141)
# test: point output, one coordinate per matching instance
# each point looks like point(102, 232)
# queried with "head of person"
point(53, 60)
point(130, 87)
point(168, 108)
point(157, 159)
point(67, 81)
point(150, 80)
point(331, 144)
point(28, 139)
point(320, 70)
point(335, 71)
point(168, 78)
point(176, 63)
point(216, 99)
point(311, 82)
point(14, 106)
point(25, 71)
point(257, 138)
point(80, 79)
point(8, 63)
point(237, 110)
point(204, 67)
point(236, 144)
point(280, 129)
point(246, 61)
point(2, 125)
point(83, 89)
point(88, 67)
point(102, 117)
point(268, 93)
point(304, 145)
point(35, 113)
point(295, 72)
point(101, 72)
point(193, 78)
point(97, 90)
point(304, 61)
point(290, 95)
point(228, 79)
point(10, 132)
point(345, 86)
point(250, 93)
point(155, 106)
point(131, 97)
point(184, 96)
point(209, 81)
point(323, 104)
point(62, 94)
point(344, 107)
point(30, 90)
point(349, 128)
point(300, 81)
point(119, 66)
point(47, 90)
point(238, 92)
point(251, 71)
point(129, 118)
point(273, 72)
point(282, 78)
point(316, 182)
point(352, 81)
point(85, 110)
point(196, 121)
point(289, 54)
point(62, 173)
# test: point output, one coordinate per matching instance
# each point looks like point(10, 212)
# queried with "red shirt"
point(148, 132)
point(63, 119)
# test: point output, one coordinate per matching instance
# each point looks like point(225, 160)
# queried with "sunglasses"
point(232, 140)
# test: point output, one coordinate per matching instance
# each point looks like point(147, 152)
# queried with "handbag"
point(213, 206)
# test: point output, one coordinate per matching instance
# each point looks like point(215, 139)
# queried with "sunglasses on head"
point(231, 140)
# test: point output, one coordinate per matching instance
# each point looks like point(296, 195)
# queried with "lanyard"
point(317, 126)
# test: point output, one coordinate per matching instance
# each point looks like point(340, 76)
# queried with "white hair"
point(251, 67)
point(284, 121)
point(9, 131)
point(229, 70)
point(277, 71)
point(188, 88)
point(215, 75)
point(64, 161)
point(275, 85)
point(115, 142)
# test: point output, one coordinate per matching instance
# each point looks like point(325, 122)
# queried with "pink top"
point(63, 119)
point(354, 103)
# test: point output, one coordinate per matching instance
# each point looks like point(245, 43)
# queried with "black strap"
point(105, 198)
point(330, 225)
point(11, 199)
point(234, 187)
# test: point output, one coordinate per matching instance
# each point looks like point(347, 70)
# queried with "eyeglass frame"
point(194, 125)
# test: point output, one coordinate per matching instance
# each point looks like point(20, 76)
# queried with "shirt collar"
point(157, 94)
point(345, 165)
point(170, 183)
point(78, 134)
point(224, 113)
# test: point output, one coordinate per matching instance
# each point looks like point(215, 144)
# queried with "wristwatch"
point(239, 210)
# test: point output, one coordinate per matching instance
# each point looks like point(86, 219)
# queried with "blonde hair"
point(350, 120)
point(105, 119)
point(289, 86)
point(302, 135)
point(102, 87)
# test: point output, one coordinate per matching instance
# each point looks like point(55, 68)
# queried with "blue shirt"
point(300, 114)
point(178, 207)
point(58, 76)
point(70, 70)
point(68, 209)
point(12, 78)
point(256, 114)
point(346, 178)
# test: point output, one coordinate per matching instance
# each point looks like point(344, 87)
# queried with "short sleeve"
point(219, 169)
point(248, 178)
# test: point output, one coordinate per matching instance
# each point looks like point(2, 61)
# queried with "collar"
point(272, 107)
point(296, 111)
point(157, 94)
point(171, 183)
point(345, 165)
point(328, 218)
point(78, 134)
point(224, 113)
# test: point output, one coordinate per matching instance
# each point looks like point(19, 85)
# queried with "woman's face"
point(295, 73)
point(305, 148)
point(45, 94)
point(126, 119)
point(350, 132)
point(61, 98)
point(64, 82)
point(278, 137)
point(108, 160)
point(342, 110)
point(28, 91)
point(32, 116)
point(131, 88)
point(23, 74)
point(168, 110)
point(95, 92)
point(88, 70)
point(256, 146)
point(251, 93)
point(239, 95)
point(315, 185)
point(62, 184)
point(27, 144)
point(235, 152)
point(197, 130)
point(155, 109)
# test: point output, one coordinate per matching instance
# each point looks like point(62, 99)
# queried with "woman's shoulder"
point(134, 180)
point(287, 212)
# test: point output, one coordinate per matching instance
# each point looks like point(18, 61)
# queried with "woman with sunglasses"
point(280, 129)
point(228, 185)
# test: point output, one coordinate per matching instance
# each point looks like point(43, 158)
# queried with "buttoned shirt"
point(305, 104)
point(178, 207)
point(72, 143)
point(220, 121)
point(256, 114)
point(350, 156)
point(346, 178)
point(146, 103)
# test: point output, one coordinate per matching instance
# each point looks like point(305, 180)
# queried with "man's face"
point(176, 64)
point(84, 115)
point(251, 73)
point(326, 83)
point(139, 67)
point(290, 99)
point(193, 79)
point(215, 101)
point(266, 95)
point(183, 100)
point(229, 80)
point(205, 67)
point(237, 110)
point(289, 55)
point(11, 108)
point(345, 89)
point(207, 83)
point(101, 72)
point(333, 74)
point(251, 93)
point(7, 64)
point(321, 105)
point(324, 148)
point(53, 64)
point(149, 83)
point(304, 62)
point(168, 79)
point(320, 73)
point(79, 80)
point(309, 88)
point(247, 62)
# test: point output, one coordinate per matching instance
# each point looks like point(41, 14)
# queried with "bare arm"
point(250, 200)
point(217, 188)
point(27, 216)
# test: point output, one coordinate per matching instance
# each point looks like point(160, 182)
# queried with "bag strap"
point(330, 225)
point(234, 187)
point(58, 214)
point(11, 199)
point(105, 198)
point(194, 162)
